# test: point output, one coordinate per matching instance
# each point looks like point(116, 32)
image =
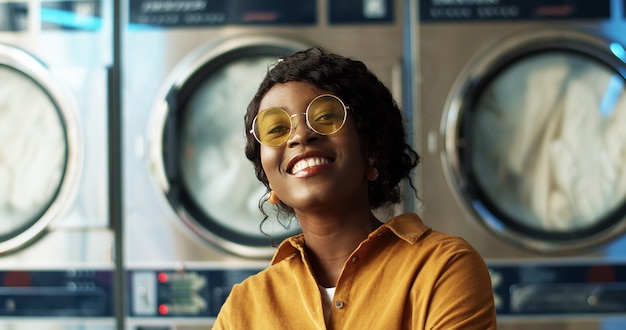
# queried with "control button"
point(10, 305)
point(355, 259)
point(339, 304)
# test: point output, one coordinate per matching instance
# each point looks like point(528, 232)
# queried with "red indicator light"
point(162, 277)
point(163, 309)
point(601, 274)
point(17, 279)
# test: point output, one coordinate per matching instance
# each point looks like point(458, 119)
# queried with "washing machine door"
point(199, 146)
point(535, 140)
point(39, 162)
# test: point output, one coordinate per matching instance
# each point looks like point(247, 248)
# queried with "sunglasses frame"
point(306, 117)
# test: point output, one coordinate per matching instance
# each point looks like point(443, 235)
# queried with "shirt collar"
point(408, 227)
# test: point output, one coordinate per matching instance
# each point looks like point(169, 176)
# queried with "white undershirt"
point(327, 299)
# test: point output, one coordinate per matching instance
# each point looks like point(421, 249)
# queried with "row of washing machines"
point(130, 112)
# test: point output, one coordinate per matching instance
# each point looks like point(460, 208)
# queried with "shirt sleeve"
point(463, 296)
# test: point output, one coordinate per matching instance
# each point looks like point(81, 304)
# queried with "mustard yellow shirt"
point(403, 276)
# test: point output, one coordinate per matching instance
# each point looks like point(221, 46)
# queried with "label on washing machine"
point(196, 13)
point(434, 11)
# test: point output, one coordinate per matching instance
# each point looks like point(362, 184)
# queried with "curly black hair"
point(378, 118)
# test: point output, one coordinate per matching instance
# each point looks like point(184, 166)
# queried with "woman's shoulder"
point(446, 239)
point(411, 228)
point(425, 241)
point(444, 243)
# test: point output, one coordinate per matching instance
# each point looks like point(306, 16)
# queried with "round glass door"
point(541, 145)
point(212, 185)
point(36, 160)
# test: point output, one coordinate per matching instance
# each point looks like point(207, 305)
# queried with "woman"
point(327, 139)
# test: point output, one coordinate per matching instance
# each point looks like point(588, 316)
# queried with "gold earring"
point(272, 198)
point(372, 173)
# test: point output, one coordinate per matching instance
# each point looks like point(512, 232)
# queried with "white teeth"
point(309, 162)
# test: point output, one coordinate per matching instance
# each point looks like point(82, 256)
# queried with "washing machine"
point(519, 112)
point(191, 217)
point(56, 244)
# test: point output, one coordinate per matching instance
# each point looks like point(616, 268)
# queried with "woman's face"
point(313, 172)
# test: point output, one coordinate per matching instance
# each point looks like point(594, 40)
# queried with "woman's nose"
point(300, 131)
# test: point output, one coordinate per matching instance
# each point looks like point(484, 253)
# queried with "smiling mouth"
point(309, 162)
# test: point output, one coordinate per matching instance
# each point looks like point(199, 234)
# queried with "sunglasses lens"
point(326, 115)
point(272, 127)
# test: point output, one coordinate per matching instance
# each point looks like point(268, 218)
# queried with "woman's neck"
point(329, 243)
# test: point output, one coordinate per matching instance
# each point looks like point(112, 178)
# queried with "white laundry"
point(32, 152)
point(544, 151)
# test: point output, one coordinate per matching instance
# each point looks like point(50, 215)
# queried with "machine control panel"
point(438, 11)
point(181, 293)
point(67, 293)
point(543, 289)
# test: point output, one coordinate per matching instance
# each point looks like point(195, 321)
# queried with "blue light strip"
point(611, 96)
point(69, 19)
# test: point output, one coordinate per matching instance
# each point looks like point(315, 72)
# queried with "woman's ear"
point(371, 172)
